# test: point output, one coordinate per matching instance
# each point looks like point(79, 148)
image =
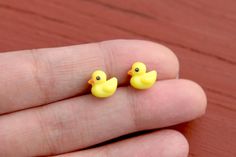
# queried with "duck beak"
point(91, 81)
point(130, 72)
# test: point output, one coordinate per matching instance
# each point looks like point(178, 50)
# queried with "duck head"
point(98, 77)
point(138, 68)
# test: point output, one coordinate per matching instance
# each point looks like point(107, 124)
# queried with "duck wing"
point(110, 85)
point(149, 77)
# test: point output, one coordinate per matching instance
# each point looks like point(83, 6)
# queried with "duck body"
point(144, 81)
point(105, 89)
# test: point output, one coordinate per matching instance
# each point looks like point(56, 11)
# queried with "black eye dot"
point(98, 78)
point(136, 69)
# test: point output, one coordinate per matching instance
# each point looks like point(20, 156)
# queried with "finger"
point(165, 143)
point(35, 77)
point(84, 121)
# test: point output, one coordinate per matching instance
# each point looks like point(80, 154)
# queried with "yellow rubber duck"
point(101, 87)
point(140, 79)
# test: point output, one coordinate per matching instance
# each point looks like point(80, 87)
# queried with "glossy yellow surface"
point(140, 78)
point(101, 87)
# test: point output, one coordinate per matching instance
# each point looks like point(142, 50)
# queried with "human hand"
point(46, 108)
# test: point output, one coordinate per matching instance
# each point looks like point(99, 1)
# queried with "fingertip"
point(165, 55)
point(197, 95)
point(155, 55)
point(173, 143)
point(180, 145)
point(170, 57)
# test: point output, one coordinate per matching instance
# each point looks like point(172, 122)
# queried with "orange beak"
point(91, 81)
point(130, 72)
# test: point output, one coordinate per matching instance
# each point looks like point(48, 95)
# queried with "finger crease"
point(37, 73)
point(108, 58)
point(133, 107)
point(44, 132)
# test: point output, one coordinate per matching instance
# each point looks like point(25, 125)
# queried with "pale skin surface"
point(46, 108)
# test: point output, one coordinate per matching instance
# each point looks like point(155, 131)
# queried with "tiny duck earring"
point(101, 87)
point(140, 78)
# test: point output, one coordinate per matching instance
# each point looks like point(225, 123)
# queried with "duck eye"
point(136, 69)
point(98, 78)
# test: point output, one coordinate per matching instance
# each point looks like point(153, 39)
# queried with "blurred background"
point(202, 33)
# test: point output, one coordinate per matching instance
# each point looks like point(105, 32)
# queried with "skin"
point(46, 108)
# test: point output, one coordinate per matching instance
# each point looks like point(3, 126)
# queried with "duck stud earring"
point(140, 78)
point(101, 87)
